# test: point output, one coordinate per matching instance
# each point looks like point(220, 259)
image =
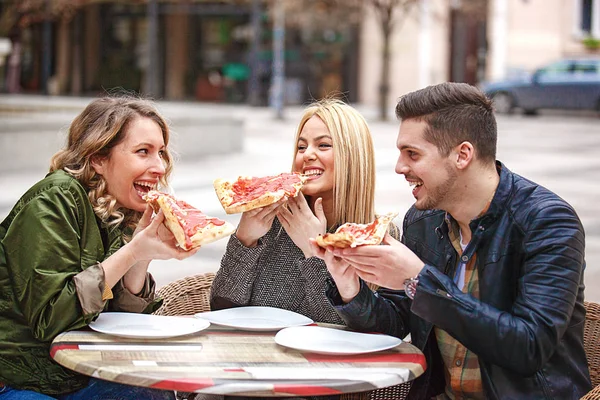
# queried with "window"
point(588, 18)
point(556, 72)
point(560, 67)
point(586, 67)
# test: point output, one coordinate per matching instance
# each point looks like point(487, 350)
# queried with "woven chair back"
point(398, 392)
point(591, 340)
point(186, 296)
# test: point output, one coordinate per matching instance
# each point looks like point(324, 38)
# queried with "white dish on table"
point(146, 326)
point(255, 318)
point(321, 340)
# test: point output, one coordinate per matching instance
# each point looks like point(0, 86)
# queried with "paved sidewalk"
point(557, 151)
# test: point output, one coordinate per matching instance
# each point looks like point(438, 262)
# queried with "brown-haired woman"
point(80, 242)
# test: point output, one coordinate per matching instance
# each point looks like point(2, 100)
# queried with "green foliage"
point(591, 43)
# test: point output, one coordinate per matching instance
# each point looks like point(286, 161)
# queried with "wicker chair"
point(591, 342)
point(398, 392)
point(186, 296)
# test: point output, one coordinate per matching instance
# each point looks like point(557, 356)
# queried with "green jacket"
point(51, 244)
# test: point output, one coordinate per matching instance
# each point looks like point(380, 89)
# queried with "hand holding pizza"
point(148, 244)
point(388, 266)
point(163, 232)
point(258, 199)
point(345, 276)
point(135, 277)
point(255, 223)
point(301, 224)
point(189, 226)
point(144, 221)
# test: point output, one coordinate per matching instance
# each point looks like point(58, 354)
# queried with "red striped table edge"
point(222, 361)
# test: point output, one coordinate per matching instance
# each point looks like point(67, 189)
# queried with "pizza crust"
point(225, 195)
point(171, 222)
point(223, 190)
point(342, 239)
point(211, 233)
point(207, 234)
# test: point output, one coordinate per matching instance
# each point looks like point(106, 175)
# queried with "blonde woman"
point(269, 260)
point(79, 242)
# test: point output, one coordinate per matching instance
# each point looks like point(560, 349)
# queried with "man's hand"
point(387, 266)
point(301, 224)
point(344, 275)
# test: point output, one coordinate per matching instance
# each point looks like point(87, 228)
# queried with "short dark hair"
point(454, 113)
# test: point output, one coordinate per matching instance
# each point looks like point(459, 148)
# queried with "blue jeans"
point(96, 390)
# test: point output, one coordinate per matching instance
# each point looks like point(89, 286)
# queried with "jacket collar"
point(503, 191)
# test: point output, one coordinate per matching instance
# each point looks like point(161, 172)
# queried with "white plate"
point(317, 339)
point(255, 318)
point(146, 326)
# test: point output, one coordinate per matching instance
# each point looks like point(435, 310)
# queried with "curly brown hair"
point(101, 126)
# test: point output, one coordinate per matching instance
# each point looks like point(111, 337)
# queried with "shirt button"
point(458, 363)
point(465, 258)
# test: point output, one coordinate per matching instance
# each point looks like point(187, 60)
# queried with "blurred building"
point(193, 50)
point(207, 50)
point(460, 41)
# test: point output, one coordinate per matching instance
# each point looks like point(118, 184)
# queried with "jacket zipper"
point(542, 379)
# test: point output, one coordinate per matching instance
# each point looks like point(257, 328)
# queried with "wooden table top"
point(233, 362)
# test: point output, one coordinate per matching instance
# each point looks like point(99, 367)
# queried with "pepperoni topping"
point(247, 189)
point(190, 218)
point(360, 231)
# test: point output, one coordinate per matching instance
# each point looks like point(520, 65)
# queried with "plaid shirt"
point(463, 377)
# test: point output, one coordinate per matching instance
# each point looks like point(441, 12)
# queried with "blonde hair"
point(101, 126)
point(354, 160)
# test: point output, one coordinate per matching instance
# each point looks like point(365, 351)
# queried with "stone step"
point(31, 134)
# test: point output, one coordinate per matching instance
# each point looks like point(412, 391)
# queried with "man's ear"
point(98, 164)
point(465, 152)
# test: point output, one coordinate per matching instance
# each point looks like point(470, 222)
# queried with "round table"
point(232, 362)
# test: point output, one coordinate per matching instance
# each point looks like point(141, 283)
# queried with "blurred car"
point(564, 84)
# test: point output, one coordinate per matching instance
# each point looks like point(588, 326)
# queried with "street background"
point(558, 150)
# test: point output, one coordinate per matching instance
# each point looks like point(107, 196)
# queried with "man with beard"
point(488, 277)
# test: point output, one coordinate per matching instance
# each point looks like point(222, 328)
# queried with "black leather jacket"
point(527, 326)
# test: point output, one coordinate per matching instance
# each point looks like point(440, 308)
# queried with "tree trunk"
point(384, 86)
point(13, 76)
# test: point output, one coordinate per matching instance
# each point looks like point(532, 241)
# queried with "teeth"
point(313, 172)
point(417, 184)
point(147, 184)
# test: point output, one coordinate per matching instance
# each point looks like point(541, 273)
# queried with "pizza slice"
point(190, 226)
point(351, 234)
point(246, 193)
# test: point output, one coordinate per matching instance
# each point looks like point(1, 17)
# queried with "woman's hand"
point(144, 221)
point(151, 241)
point(345, 276)
point(254, 224)
point(156, 242)
point(301, 224)
point(135, 277)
